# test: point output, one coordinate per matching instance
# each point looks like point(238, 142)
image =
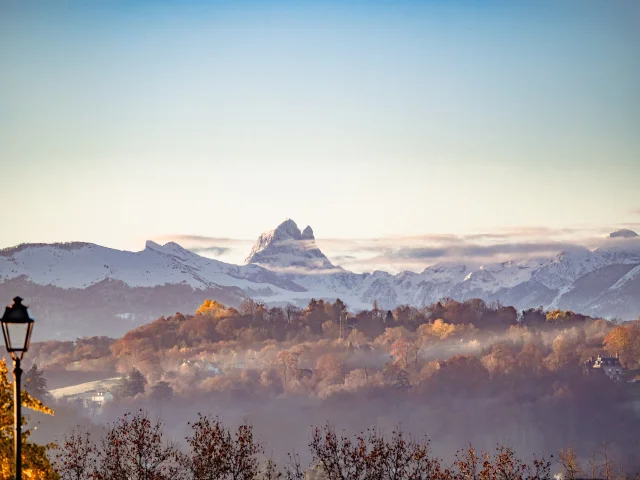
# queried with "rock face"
point(85, 289)
point(289, 250)
point(624, 233)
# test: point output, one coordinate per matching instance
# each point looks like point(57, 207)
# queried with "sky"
point(374, 122)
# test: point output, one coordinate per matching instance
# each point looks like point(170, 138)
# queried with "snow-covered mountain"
point(86, 289)
point(79, 265)
point(289, 250)
point(77, 289)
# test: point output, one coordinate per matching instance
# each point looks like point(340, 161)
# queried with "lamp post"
point(16, 328)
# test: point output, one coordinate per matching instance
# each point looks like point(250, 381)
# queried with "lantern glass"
point(16, 328)
point(17, 336)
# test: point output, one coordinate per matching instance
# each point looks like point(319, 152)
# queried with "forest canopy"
point(474, 370)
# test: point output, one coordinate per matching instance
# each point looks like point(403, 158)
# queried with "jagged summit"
point(307, 233)
point(623, 233)
point(286, 247)
point(288, 228)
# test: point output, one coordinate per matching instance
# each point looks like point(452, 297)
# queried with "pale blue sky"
point(121, 121)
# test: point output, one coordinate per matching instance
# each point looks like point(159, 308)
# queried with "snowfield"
point(285, 265)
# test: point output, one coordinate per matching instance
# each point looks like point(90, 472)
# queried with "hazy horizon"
point(121, 122)
point(412, 253)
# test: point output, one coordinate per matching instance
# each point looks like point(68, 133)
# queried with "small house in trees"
point(100, 398)
point(610, 366)
point(93, 400)
point(188, 364)
point(208, 368)
point(211, 368)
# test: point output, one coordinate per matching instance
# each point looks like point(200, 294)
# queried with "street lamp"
point(16, 328)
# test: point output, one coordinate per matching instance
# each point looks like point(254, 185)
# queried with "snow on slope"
point(285, 265)
point(567, 267)
point(622, 246)
point(633, 273)
point(80, 265)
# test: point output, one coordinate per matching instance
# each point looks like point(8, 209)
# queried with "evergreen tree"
point(35, 382)
point(339, 307)
point(133, 384)
point(389, 318)
point(161, 391)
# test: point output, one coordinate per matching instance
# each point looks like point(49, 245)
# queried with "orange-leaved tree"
point(213, 309)
point(35, 463)
point(624, 340)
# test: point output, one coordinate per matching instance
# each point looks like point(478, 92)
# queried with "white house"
point(610, 366)
point(211, 368)
point(100, 398)
point(206, 367)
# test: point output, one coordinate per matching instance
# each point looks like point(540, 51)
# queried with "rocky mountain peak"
point(307, 233)
point(287, 229)
point(286, 247)
point(623, 233)
point(621, 246)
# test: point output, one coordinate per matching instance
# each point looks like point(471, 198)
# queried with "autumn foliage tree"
point(330, 368)
point(405, 352)
point(339, 457)
point(440, 330)
point(288, 363)
point(625, 341)
point(76, 456)
point(372, 456)
point(569, 461)
point(471, 354)
point(213, 309)
point(35, 462)
point(218, 454)
point(133, 449)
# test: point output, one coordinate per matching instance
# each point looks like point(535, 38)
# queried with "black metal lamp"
point(16, 328)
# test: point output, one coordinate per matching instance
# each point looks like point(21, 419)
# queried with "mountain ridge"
point(286, 266)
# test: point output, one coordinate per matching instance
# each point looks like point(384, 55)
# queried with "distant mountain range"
point(83, 289)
